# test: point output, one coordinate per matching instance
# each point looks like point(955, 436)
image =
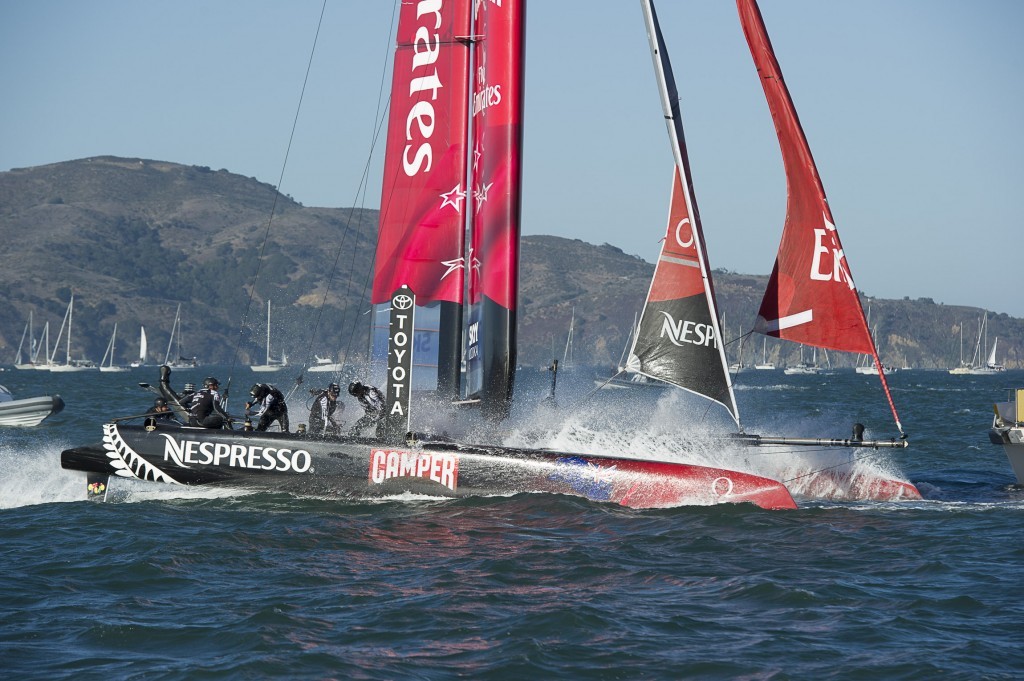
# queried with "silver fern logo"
point(126, 462)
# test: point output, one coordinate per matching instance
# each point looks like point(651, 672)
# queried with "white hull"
point(334, 368)
point(30, 411)
point(800, 371)
point(1008, 431)
point(67, 368)
point(267, 368)
point(765, 367)
point(114, 370)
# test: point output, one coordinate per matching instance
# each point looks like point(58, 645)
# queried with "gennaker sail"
point(811, 297)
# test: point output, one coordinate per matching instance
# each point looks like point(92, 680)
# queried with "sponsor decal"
point(687, 333)
point(833, 266)
point(421, 118)
point(441, 467)
point(584, 477)
point(488, 95)
point(185, 453)
point(126, 462)
point(721, 486)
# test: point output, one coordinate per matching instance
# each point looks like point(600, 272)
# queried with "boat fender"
point(858, 432)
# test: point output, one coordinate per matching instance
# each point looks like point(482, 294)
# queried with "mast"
point(679, 339)
point(268, 333)
point(811, 297)
point(170, 341)
point(71, 313)
point(567, 355)
point(496, 172)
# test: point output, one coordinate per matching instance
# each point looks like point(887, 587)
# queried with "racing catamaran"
point(427, 282)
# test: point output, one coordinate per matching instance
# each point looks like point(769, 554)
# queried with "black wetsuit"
point(321, 415)
point(206, 409)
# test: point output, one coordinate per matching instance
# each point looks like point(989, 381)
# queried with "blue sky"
point(913, 110)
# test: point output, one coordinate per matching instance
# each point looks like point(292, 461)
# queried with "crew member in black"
point(321, 414)
point(271, 406)
point(188, 393)
point(372, 401)
point(206, 409)
point(161, 411)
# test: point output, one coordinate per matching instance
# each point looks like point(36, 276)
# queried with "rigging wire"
point(273, 207)
point(379, 122)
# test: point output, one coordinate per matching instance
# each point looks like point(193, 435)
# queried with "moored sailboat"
point(271, 364)
point(69, 364)
point(176, 360)
point(143, 349)
point(107, 363)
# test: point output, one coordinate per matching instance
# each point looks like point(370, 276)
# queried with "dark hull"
point(366, 468)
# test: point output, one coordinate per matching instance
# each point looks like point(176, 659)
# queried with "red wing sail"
point(811, 297)
point(497, 117)
point(423, 197)
point(679, 339)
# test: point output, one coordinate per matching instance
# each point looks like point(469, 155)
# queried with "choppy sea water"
point(166, 583)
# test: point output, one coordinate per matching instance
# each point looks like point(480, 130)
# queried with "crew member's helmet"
point(159, 402)
point(354, 388)
point(258, 390)
point(211, 382)
point(334, 389)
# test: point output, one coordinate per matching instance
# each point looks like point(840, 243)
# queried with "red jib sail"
point(497, 124)
point(811, 297)
point(424, 196)
point(678, 339)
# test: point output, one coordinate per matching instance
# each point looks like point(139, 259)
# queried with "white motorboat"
point(1008, 431)
point(325, 364)
point(29, 411)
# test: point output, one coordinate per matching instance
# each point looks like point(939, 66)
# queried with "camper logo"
point(441, 467)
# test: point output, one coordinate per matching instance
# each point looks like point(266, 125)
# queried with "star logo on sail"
point(481, 195)
point(454, 198)
point(460, 263)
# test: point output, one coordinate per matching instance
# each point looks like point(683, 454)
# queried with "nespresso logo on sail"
point(686, 332)
point(440, 467)
point(254, 457)
point(421, 118)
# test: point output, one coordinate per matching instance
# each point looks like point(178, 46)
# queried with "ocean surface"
point(164, 582)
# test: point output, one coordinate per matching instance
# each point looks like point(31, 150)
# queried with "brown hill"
point(134, 237)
